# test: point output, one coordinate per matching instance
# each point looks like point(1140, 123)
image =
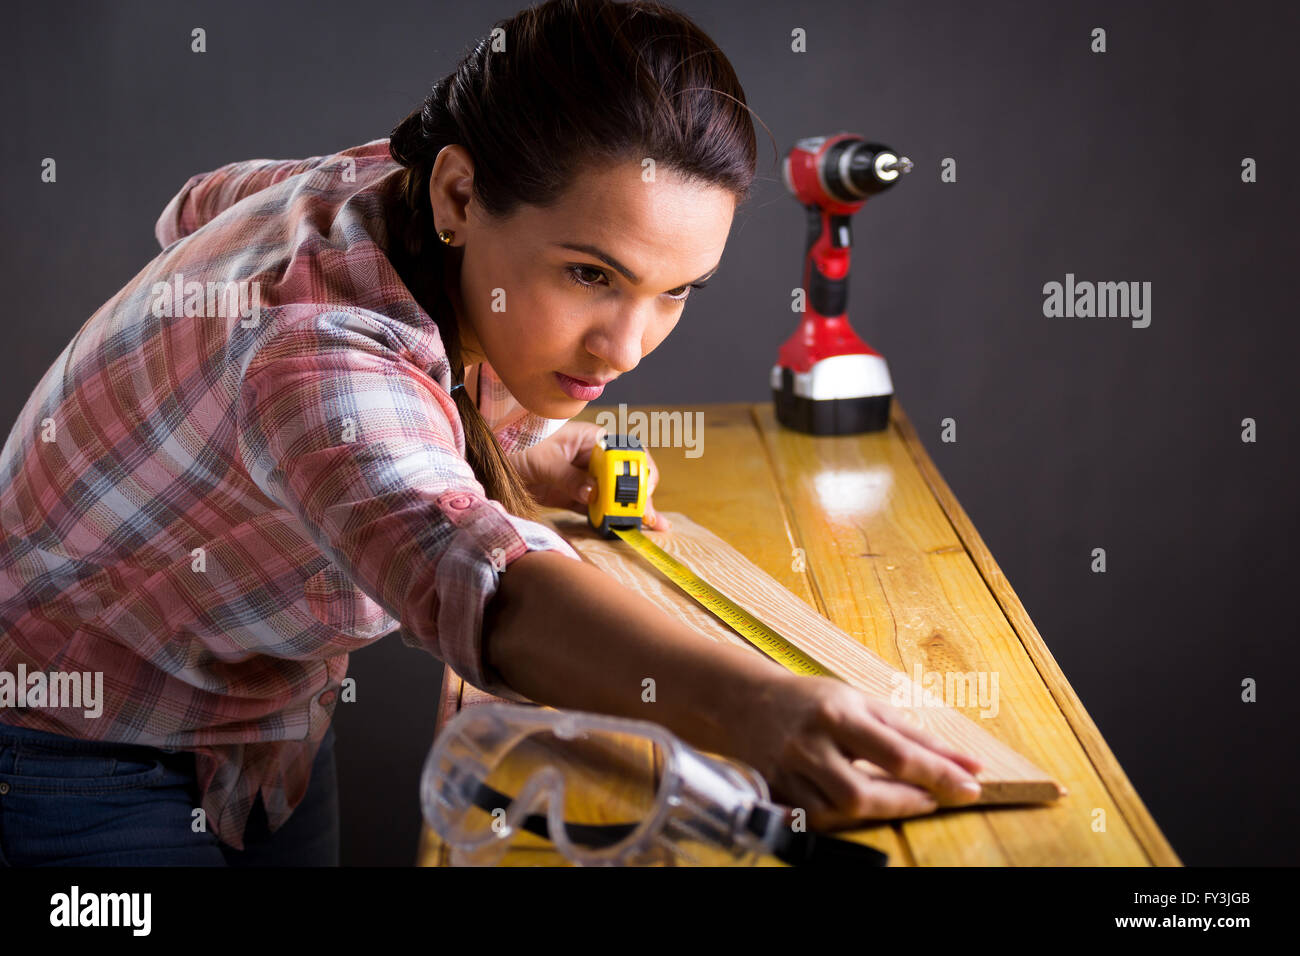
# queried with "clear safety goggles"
point(605, 791)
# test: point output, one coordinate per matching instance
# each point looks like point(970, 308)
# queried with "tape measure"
point(621, 475)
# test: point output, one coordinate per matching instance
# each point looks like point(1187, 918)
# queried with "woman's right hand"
point(802, 734)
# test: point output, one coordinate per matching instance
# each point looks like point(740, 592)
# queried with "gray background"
point(1073, 433)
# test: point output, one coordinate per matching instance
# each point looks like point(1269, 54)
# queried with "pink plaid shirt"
point(212, 497)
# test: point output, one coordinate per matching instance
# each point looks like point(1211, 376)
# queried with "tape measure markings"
point(737, 618)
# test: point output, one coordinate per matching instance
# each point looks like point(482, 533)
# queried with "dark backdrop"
point(1072, 433)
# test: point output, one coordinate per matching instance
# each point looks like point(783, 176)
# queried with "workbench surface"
point(890, 557)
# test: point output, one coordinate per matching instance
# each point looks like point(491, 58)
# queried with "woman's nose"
point(619, 341)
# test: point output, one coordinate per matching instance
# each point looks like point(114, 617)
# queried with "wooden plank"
point(892, 571)
point(1006, 778)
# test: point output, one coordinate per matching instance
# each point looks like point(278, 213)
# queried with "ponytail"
point(410, 145)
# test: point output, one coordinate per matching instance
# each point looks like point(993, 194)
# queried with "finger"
point(897, 718)
point(574, 487)
point(582, 457)
point(655, 520)
point(580, 504)
point(581, 486)
point(855, 794)
point(906, 759)
point(895, 800)
point(589, 437)
point(796, 791)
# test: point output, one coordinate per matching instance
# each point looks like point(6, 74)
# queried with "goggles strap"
point(766, 822)
point(808, 848)
point(589, 834)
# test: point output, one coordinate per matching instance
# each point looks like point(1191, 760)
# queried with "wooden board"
point(1007, 777)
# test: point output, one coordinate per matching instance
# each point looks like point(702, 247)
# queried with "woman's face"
point(534, 305)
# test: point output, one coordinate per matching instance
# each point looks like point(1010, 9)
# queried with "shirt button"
point(4, 788)
point(326, 698)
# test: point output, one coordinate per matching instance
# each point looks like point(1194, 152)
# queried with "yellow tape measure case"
point(621, 472)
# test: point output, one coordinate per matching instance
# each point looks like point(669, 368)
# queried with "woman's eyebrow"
point(614, 263)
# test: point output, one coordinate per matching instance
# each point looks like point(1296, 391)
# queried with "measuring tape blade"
point(735, 617)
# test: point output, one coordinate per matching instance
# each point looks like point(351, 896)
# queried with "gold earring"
point(446, 235)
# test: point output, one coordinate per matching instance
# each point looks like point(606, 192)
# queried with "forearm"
point(564, 634)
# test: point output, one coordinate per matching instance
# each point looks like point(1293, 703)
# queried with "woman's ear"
point(451, 188)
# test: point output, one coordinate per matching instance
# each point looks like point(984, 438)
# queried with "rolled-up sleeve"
point(204, 196)
point(338, 426)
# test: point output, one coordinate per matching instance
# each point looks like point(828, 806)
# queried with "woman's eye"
point(575, 275)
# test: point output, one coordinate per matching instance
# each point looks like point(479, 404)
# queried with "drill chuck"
point(854, 169)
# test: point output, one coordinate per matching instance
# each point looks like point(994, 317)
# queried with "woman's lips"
point(577, 389)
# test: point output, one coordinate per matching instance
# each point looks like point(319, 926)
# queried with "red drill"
point(827, 381)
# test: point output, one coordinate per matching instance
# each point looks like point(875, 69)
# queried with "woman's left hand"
point(555, 471)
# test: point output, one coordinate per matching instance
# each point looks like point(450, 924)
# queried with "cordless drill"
point(827, 381)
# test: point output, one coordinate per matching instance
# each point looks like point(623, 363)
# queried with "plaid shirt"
point(212, 504)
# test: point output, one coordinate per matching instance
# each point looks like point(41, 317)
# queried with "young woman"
point(213, 496)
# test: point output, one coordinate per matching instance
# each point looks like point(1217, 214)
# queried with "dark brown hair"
point(578, 82)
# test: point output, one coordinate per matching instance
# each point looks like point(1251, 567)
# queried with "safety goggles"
point(605, 791)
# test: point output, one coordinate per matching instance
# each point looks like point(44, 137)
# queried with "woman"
point(328, 409)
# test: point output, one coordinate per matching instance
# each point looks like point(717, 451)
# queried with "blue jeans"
point(70, 802)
